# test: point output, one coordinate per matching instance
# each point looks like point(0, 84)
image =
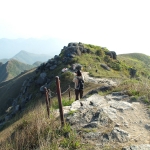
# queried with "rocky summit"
point(113, 114)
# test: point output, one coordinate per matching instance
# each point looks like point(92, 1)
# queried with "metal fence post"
point(60, 101)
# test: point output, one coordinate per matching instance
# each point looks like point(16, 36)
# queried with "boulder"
point(120, 135)
point(105, 67)
point(137, 147)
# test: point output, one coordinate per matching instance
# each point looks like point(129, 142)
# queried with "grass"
point(35, 130)
point(72, 112)
point(65, 102)
point(14, 68)
point(11, 88)
point(32, 129)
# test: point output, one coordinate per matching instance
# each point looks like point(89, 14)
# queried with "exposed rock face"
point(138, 147)
point(74, 49)
point(120, 135)
point(76, 66)
point(132, 72)
point(69, 52)
point(110, 118)
point(42, 78)
point(105, 67)
point(112, 54)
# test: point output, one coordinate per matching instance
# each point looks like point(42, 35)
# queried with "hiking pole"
point(59, 100)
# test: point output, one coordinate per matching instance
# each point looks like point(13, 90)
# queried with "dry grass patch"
point(35, 130)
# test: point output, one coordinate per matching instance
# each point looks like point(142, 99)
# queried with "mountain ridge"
point(12, 68)
point(30, 58)
point(100, 63)
point(51, 46)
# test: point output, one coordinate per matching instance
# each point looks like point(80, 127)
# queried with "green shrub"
point(72, 112)
point(67, 76)
point(115, 66)
point(98, 58)
point(107, 59)
point(133, 98)
point(134, 92)
point(100, 52)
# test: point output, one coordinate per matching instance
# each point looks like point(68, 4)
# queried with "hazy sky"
point(120, 25)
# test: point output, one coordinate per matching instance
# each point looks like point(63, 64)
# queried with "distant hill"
point(11, 69)
point(137, 60)
point(30, 58)
point(10, 47)
point(137, 56)
point(4, 60)
point(37, 63)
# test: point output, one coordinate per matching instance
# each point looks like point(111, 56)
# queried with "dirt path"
point(99, 80)
point(135, 121)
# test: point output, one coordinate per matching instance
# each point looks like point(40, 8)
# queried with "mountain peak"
point(30, 58)
point(23, 51)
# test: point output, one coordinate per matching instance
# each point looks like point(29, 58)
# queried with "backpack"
point(80, 84)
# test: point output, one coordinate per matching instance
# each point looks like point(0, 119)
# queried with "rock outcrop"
point(111, 118)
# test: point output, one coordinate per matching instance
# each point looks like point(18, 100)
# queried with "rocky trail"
point(111, 120)
point(100, 80)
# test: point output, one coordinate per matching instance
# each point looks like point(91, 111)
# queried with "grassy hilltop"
point(31, 129)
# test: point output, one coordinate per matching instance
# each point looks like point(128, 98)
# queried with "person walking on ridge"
point(79, 84)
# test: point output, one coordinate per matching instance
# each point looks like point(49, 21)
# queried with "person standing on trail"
point(79, 84)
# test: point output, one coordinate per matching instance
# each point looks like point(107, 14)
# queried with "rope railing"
point(65, 91)
point(70, 88)
point(49, 94)
point(59, 94)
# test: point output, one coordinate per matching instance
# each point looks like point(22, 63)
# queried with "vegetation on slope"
point(11, 88)
point(12, 68)
point(32, 129)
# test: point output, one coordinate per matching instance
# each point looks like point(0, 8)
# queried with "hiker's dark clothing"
point(77, 91)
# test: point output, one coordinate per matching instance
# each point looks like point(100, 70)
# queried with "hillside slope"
point(138, 61)
point(139, 56)
point(26, 112)
point(11, 69)
point(11, 88)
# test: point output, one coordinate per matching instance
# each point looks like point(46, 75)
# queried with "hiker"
point(79, 78)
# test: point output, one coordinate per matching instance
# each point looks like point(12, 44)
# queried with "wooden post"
point(47, 101)
point(69, 93)
point(60, 101)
